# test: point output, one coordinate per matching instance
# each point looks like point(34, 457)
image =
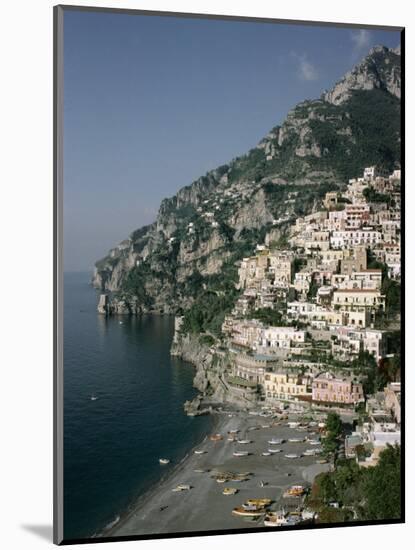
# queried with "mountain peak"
point(380, 69)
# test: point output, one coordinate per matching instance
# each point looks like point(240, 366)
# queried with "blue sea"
point(112, 443)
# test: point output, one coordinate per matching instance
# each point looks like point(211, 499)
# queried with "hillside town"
point(316, 321)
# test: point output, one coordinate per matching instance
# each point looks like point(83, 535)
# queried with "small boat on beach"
point(200, 452)
point(309, 452)
point(273, 451)
point(314, 442)
point(164, 460)
point(266, 453)
point(241, 511)
point(181, 487)
point(292, 455)
point(229, 491)
point(216, 437)
point(296, 440)
point(240, 453)
point(294, 491)
point(321, 461)
point(244, 441)
point(275, 519)
point(201, 470)
point(276, 441)
point(259, 502)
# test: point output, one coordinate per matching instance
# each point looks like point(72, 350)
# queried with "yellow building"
point(286, 386)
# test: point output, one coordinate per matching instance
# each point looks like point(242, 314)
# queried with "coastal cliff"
point(209, 368)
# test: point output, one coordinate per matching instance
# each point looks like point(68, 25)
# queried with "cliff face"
point(380, 70)
point(209, 225)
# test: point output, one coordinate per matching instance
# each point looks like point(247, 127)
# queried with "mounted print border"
point(235, 365)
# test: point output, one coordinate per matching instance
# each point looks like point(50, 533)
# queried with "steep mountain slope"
point(189, 252)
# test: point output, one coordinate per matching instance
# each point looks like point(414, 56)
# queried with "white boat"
point(181, 487)
point(244, 441)
point(240, 453)
point(93, 397)
point(296, 440)
point(275, 441)
point(266, 453)
point(265, 426)
point(275, 519)
point(164, 460)
point(314, 442)
point(293, 424)
point(273, 451)
point(309, 452)
point(200, 452)
point(292, 455)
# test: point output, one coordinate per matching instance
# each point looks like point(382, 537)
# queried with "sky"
point(152, 103)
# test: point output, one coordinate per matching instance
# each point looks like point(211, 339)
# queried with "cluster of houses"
point(323, 300)
point(380, 426)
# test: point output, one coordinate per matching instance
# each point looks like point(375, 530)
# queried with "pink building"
point(327, 387)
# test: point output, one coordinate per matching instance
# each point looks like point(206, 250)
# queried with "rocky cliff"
point(190, 252)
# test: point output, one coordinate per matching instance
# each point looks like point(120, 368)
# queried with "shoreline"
point(204, 507)
point(143, 499)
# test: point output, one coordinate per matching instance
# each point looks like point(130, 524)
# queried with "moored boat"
point(240, 453)
point(240, 511)
point(294, 491)
point(309, 452)
point(275, 519)
point(261, 502)
point(164, 460)
point(276, 441)
point(181, 487)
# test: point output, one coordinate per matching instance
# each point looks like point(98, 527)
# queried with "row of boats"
point(255, 508)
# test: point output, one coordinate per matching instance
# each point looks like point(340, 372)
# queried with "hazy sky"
point(152, 103)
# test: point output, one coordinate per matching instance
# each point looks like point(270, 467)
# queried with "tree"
point(382, 486)
point(334, 424)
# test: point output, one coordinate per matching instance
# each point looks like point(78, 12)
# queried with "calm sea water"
point(112, 444)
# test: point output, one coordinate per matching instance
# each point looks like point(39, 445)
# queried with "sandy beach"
point(204, 507)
